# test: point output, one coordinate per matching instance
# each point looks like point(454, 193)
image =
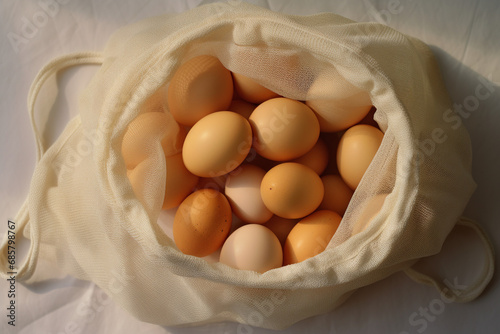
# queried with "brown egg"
point(291, 190)
point(337, 103)
point(310, 236)
point(252, 247)
point(368, 210)
point(281, 227)
point(157, 102)
point(217, 144)
point(180, 182)
point(200, 86)
point(356, 149)
point(138, 178)
point(241, 107)
point(145, 132)
point(202, 223)
point(251, 91)
point(316, 158)
point(337, 115)
point(337, 194)
point(284, 129)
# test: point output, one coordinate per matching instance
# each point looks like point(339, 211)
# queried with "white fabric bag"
point(81, 213)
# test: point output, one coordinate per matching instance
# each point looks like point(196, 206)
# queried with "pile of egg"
point(286, 169)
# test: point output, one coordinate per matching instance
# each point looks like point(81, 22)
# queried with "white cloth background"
point(464, 36)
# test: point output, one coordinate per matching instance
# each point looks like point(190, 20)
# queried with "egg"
point(202, 223)
point(200, 86)
point(138, 178)
point(157, 102)
point(356, 149)
point(250, 90)
point(284, 129)
point(316, 158)
point(337, 194)
point(291, 190)
point(217, 144)
point(179, 182)
point(337, 103)
point(281, 227)
point(243, 192)
point(368, 209)
point(310, 236)
point(252, 247)
point(337, 115)
point(241, 107)
point(145, 131)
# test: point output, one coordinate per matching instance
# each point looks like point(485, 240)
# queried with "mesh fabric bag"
point(82, 215)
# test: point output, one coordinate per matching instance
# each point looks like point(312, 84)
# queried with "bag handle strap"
point(8, 264)
point(51, 68)
point(473, 290)
point(9, 248)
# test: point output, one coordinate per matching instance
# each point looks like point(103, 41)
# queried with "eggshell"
point(250, 90)
point(316, 158)
point(281, 227)
point(291, 190)
point(243, 192)
point(310, 236)
point(252, 247)
point(284, 129)
point(369, 209)
point(156, 102)
point(241, 107)
point(202, 222)
point(180, 182)
point(217, 144)
point(337, 194)
point(356, 149)
point(337, 115)
point(337, 103)
point(200, 86)
point(138, 178)
point(145, 131)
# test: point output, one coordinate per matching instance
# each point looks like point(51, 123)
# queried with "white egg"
point(243, 192)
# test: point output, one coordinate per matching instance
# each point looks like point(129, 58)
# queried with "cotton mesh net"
point(91, 224)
